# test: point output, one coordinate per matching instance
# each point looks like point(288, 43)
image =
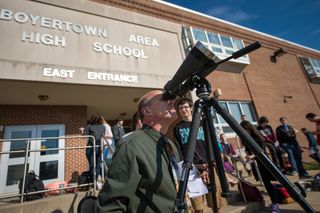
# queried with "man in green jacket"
point(141, 177)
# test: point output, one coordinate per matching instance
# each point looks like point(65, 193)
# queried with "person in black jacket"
point(271, 141)
point(118, 131)
point(286, 135)
point(266, 176)
point(95, 128)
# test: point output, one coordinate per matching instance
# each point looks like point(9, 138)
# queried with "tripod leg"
point(294, 192)
point(214, 152)
point(212, 182)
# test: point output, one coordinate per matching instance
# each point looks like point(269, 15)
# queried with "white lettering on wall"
point(102, 76)
point(143, 40)
point(46, 39)
point(118, 50)
point(21, 17)
point(59, 73)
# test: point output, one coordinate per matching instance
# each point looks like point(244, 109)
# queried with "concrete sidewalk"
point(238, 206)
point(313, 198)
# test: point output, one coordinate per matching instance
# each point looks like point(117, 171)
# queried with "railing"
point(27, 151)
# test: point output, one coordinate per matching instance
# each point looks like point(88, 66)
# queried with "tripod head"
point(200, 62)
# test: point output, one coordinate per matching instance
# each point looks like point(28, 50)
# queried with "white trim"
point(56, 157)
point(5, 161)
point(233, 24)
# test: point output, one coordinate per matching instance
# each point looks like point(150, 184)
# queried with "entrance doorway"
point(48, 164)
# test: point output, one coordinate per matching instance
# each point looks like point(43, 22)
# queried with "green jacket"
point(140, 178)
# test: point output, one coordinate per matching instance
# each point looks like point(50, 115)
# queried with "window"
point(236, 109)
point(222, 45)
point(49, 143)
point(48, 170)
point(316, 65)
point(226, 41)
point(199, 35)
point(312, 68)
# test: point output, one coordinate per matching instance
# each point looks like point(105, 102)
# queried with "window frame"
point(224, 54)
point(311, 67)
point(226, 103)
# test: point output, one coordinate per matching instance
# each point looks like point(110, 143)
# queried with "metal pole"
point(24, 171)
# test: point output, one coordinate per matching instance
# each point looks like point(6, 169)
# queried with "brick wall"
point(262, 82)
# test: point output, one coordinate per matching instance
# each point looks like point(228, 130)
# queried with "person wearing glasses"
point(142, 174)
point(200, 160)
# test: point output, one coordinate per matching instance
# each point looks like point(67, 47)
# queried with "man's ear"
point(146, 111)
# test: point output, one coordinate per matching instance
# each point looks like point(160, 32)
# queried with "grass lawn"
point(311, 165)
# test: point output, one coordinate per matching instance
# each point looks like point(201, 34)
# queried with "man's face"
point(185, 111)
point(161, 109)
point(223, 138)
point(283, 121)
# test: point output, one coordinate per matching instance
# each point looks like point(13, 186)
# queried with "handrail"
point(27, 151)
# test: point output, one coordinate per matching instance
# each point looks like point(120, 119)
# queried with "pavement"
point(236, 204)
point(313, 197)
point(69, 201)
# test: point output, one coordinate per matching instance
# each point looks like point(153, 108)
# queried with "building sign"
point(111, 51)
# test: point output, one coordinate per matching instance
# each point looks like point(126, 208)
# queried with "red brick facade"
point(262, 82)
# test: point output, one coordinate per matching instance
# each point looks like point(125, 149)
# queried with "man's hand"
point(202, 167)
point(205, 177)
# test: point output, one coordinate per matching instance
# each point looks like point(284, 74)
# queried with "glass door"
point(49, 165)
point(13, 163)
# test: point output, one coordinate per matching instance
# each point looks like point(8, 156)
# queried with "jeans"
point(294, 155)
point(316, 157)
point(89, 155)
point(273, 151)
point(107, 158)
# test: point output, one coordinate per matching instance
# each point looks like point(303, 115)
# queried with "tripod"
point(202, 110)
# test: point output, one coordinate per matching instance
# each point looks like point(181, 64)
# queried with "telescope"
point(200, 61)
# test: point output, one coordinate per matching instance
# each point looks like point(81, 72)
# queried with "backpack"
point(282, 194)
point(315, 183)
point(84, 178)
point(250, 191)
point(32, 184)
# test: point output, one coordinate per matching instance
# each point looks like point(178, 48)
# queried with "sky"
point(297, 21)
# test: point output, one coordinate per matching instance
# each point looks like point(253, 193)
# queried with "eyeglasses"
point(184, 107)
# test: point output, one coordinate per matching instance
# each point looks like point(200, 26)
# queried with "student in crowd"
point(136, 122)
point(141, 176)
point(230, 153)
point(200, 160)
point(96, 128)
point(118, 131)
point(109, 146)
point(271, 141)
point(243, 117)
point(286, 135)
point(316, 119)
point(266, 176)
point(313, 146)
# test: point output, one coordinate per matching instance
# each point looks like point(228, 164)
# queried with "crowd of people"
point(144, 173)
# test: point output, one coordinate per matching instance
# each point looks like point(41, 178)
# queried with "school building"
point(61, 61)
